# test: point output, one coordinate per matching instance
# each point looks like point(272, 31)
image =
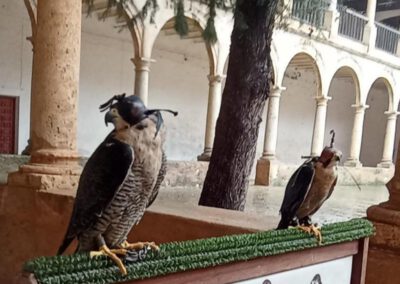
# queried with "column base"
point(45, 177)
point(384, 254)
point(205, 156)
point(353, 163)
point(264, 170)
point(386, 165)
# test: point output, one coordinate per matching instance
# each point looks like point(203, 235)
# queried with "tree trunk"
point(243, 101)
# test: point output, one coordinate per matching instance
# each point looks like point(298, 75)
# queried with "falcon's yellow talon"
point(312, 230)
point(111, 253)
point(139, 245)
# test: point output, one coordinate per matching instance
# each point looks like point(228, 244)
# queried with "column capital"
point(322, 100)
point(216, 78)
point(359, 107)
point(392, 114)
point(142, 63)
point(276, 91)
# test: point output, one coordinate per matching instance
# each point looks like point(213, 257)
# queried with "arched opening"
point(344, 91)
point(178, 80)
point(375, 123)
point(297, 108)
point(397, 139)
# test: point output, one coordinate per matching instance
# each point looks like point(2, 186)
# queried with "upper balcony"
point(345, 27)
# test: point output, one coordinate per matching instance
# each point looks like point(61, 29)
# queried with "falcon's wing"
point(160, 178)
point(101, 178)
point(296, 191)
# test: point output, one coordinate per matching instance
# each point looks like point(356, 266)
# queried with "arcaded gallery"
point(200, 141)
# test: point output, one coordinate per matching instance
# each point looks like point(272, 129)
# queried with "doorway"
point(8, 124)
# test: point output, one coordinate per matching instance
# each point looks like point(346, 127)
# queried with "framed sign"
point(330, 272)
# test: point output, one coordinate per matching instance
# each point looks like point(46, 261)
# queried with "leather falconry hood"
point(133, 110)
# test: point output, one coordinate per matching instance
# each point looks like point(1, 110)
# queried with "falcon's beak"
point(109, 117)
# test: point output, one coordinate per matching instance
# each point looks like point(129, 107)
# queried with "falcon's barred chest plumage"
point(120, 180)
point(138, 190)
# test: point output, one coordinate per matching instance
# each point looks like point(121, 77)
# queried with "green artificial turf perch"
point(188, 255)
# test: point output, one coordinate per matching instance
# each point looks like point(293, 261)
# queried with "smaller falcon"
point(308, 188)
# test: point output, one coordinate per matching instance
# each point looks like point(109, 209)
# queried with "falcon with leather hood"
point(308, 188)
point(119, 181)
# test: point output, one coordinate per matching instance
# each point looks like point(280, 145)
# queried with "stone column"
point(331, 23)
point(370, 28)
point(142, 70)
point(387, 157)
point(53, 164)
point(214, 104)
point(356, 137)
point(271, 127)
point(270, 138)
point(317, 143)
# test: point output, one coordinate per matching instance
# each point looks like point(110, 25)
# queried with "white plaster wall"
point(106, 70)
point(16, 61)
point(374, 127)
point(296, 115)
point(340, 114)
point(178, 81)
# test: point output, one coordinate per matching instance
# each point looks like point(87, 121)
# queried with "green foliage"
point(183, 256)
point(181, 25)
point(149, 5)
point(209, 33)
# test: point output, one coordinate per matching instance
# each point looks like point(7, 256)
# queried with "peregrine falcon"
point(119, 181)
point(308, 188)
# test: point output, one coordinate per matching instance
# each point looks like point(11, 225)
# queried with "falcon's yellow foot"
point(312, 230)
point(112, 253)
point(139, 245)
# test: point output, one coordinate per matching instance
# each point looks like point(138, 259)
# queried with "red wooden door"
point(7, 125)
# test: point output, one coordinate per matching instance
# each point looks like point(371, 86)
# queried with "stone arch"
point(185, 89)
point(379, 100)
point(354, 72)
point(388, 83)
point(31, 7)
point(136, 40)
point(303, 84)
point(344, 89)
point(314, 58)
point(274, 61)
point(165, 16)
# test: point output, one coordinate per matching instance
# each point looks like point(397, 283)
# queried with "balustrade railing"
point(310, 11)
point(352, 24)
point(387, 38)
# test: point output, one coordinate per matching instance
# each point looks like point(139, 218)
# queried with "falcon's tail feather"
point(65, 244)
point(283, 224)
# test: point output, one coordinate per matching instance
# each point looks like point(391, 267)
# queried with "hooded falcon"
point(308, 188)
point(119, 181)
